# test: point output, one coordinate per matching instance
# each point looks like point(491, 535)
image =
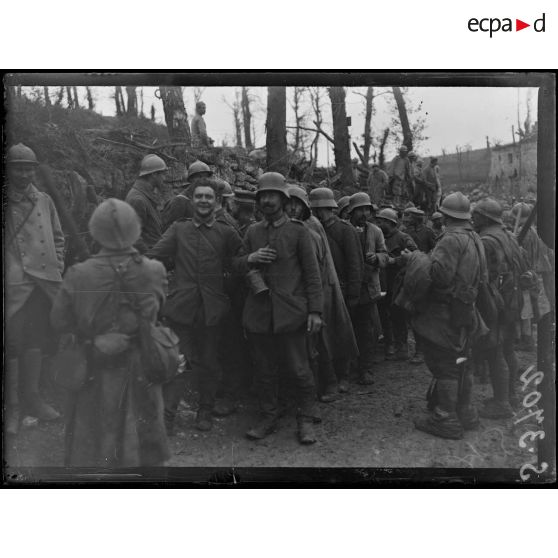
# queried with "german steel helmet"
point(322, 197)
point(198, 166)
point(404, 148)
point(412, 155)
point(115, 224)
point(343, 203)
point(456, 205)
point(388, 215)
point(273, 182)
point(150, 164)
point(20, 153)
point(436, 215)
point(360, 199)
point(299, 193)
point(490, 208)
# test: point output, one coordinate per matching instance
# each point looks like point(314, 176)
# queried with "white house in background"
point(513, 167)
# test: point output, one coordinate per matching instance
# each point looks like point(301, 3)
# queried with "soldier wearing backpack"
point(505, 268)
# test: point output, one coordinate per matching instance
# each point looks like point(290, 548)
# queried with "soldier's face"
point(295, 209)
point(270, 203)
point(20, 175)
point(201, 108)
point(385, 225)
point(360, 215)
point(322, 213)
point(204, 201)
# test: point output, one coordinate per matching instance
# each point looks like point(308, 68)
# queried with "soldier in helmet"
point(433, 185)
point(284, 306)
point(115, 417)
point(373, 258)
point(33, 264)
point(181, 205)
point(343, 208)
point(144, 197)
point(400, 178)
point(199, 129)
point(377, 184)
point(345, 248)
point(202, 249)
point(505, 265)
point(393, 317)
point(449, 320)
point(243, 209)
point(539, 259)
point(335, 342)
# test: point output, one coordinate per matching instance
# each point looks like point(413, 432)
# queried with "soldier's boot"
point(32, 361)
point(265, 427)
point(11, 417)
point(499, 406)
point(306, 433)
point(443, 421)
point(466, 411)
point(431, 395)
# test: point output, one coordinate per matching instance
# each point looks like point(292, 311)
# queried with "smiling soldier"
point(202, 249)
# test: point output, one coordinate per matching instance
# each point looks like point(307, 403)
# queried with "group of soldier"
point(289, 293)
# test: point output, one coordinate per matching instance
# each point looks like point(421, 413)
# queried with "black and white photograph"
point(301, 278)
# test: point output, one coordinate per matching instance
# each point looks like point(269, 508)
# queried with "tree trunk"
point(246, 117)
point(76, 101)
point(403, 118)
point(69, 97)
point(142, 113)
point(90, 102)
point(60, 97)
point(152, 113)
point(47, 96)
point(315, 98)
point(341, 145)
point(132, 109)
point(119, 108)
point(382, 158)
point(19, 90)
point(276, 130)
point(367, 136)
point(175, 114)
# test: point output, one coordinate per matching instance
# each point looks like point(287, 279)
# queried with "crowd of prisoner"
point(283, 293)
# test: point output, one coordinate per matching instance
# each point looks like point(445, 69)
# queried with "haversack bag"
point(160, 352)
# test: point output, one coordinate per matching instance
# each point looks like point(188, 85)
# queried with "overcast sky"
point(454, 115)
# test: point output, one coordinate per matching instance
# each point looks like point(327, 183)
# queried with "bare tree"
point(316, 100)
point(235, 108)
point(341, 145)
point(403, 118)
point(383, 141)
point(60, 96)
point(152, 113)
point(47, 96)
point(246, 118)
point(132, 108)
point(367, 137)
point(76, 100)
point(198, 92)
point(142, 113)
point(175, 113)
point(69, 97)
point(90, 102)
point(119, 105)
point(296, 104)
point(276, 130)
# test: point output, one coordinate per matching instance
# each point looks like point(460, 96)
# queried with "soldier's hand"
point(371, 258)
point(263, 255)
point(313, 323)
